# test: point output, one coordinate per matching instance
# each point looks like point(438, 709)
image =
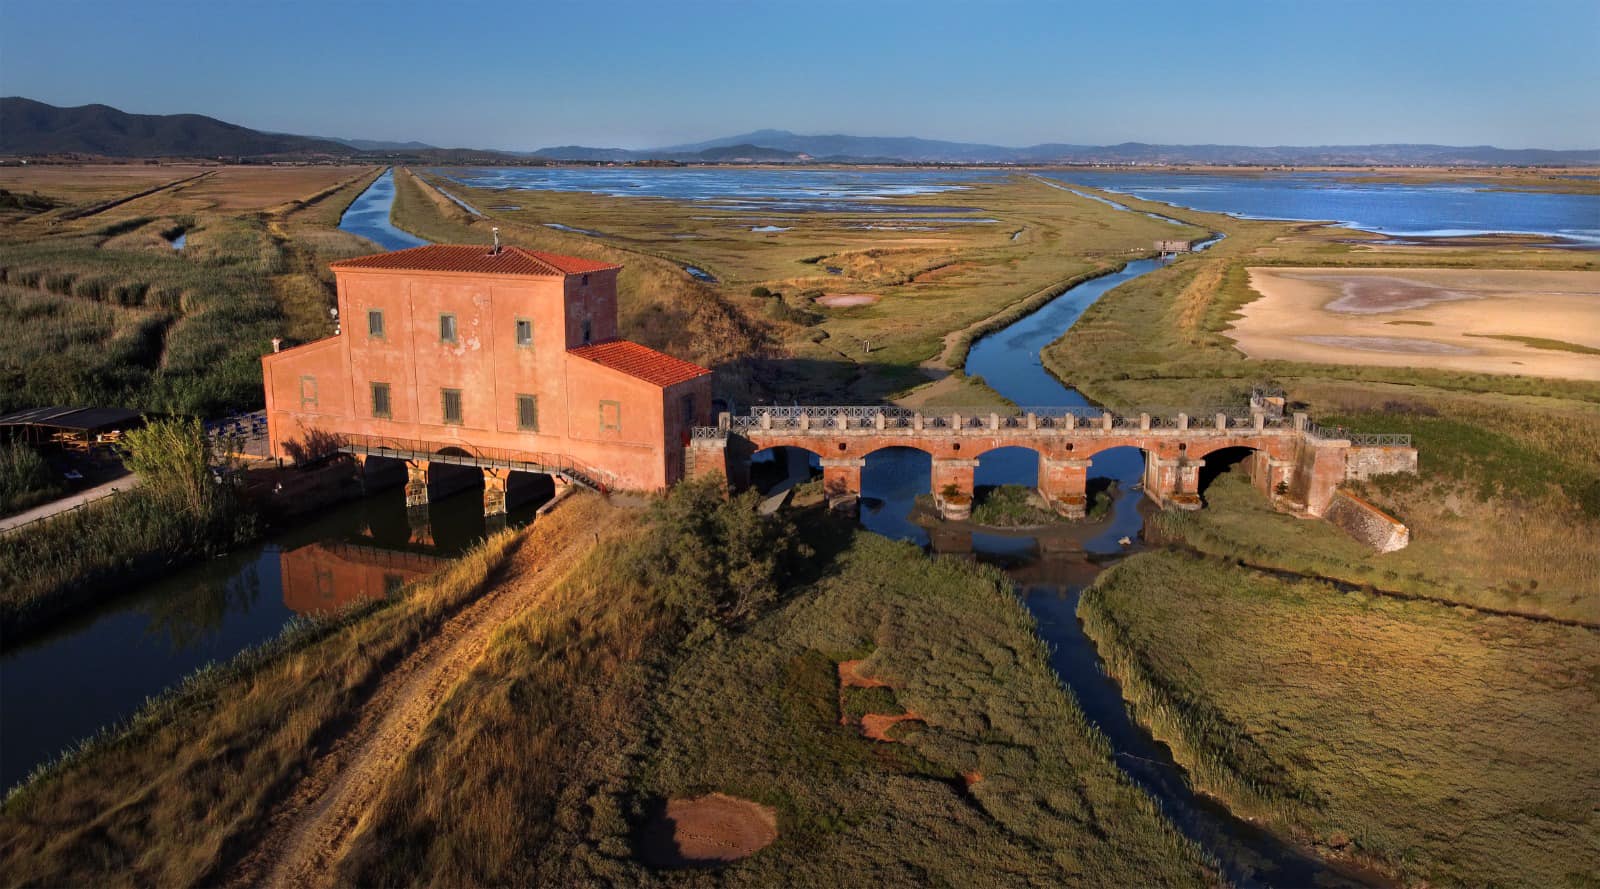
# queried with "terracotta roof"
point(640, 361)
point(472, 258)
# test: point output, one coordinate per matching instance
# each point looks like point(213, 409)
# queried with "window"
point(686, 407)
point(375, 323)
point(610, 415)
point(528, 413)
point(587, 332)
point(380, 400)
point(393, 583)
point(451, 405)
point(524, 333)
point(447, 328)
point(308, 393)
point(586, 280)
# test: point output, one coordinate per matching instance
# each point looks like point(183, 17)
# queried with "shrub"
point(25, 478)
point(760, 292)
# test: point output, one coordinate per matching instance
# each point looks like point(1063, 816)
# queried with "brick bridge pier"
point(1293, 461)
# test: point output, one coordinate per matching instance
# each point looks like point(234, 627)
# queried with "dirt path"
point(68, 503)
point(310, 831)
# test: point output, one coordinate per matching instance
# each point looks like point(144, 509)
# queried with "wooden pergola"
point(78, 429)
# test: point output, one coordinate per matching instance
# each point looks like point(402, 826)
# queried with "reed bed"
point(1443, 746)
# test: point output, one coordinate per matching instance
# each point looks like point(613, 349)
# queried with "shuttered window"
point(447, 328)
point(524, 333)
point(451, 407)
point(528, 413)
point(375, 323)
point(380, 400)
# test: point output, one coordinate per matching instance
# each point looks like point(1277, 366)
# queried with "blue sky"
point(501, 74)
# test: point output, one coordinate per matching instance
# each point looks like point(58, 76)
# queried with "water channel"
point(84, 675)
point(137, 644)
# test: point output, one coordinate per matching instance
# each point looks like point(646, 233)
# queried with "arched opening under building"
point(1229, 465)
point(891, 481)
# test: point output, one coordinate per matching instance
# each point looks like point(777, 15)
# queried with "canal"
point(87, 674)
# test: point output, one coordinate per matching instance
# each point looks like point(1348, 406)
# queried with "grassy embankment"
point(694, 648)
point(1507, 505)
point(588, 715)
point(168, 798)
point(936, 285)
point(1466, 771)
point(118, 317)
point(178, 513)
point(1446, 746)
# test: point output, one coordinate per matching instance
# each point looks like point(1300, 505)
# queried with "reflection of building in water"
point(324, 577)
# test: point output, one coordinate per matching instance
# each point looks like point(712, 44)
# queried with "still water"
point(82, 675)
point(727, 188)
point(1438, 209)
point(368, 216)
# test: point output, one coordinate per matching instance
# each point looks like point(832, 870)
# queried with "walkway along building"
point(502, 359)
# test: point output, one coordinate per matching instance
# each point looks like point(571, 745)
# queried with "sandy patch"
point(1348, 316)
point(850, 676)
point(713, 829)
point(846, 300)
point(877, 725)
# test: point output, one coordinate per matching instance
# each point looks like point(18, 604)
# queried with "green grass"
point(1447, 747)
point(25, 479)
point(1539, 342)
point(1011, 506)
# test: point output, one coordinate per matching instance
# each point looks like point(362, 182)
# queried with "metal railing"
point(465, 454)
point(825, 419)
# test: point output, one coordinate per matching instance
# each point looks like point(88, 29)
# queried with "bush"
point(760, 292)
point(714, 557)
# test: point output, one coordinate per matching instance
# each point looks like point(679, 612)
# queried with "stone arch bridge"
point(1295, 462)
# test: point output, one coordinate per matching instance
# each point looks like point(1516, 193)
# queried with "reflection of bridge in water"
point(325, 577)
point(1294, 462)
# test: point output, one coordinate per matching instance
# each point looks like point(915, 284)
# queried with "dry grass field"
point(927, 285)
point(1447, 747)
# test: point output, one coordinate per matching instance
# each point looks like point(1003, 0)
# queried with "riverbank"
point(745, 698)
point(1475, 769)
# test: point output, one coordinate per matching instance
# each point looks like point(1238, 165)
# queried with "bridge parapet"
point(1294, 460)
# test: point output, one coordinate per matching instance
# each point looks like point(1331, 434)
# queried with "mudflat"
point(1538, 323)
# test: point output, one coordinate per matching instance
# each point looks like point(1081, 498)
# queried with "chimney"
point(277, 344)
point(496, 250)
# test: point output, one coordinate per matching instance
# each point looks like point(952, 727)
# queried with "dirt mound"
point(711, 829)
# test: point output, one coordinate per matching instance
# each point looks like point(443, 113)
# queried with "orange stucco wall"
point(630, 431)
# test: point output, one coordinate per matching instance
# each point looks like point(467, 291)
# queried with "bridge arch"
point(773, 466)
point(1243, 459)
point(1007, 465)
point(892, 478)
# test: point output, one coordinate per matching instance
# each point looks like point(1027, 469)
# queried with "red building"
point(499, 357)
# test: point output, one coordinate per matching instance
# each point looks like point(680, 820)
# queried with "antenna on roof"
point(496, 250)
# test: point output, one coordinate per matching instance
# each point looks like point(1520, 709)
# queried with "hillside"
point(29, 127)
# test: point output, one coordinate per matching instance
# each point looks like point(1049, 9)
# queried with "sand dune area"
point(1539, 323)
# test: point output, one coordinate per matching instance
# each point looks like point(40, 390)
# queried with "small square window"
point(528, 413)
point(375, 323)
point(447, 328)
point(451, 406)
point(610, 415)
point(380, 400)
point(524, 332)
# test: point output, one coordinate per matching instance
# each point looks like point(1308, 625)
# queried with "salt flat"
point(1539, 323)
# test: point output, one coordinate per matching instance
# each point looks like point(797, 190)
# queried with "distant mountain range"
point(906, 149)
point(28, 127)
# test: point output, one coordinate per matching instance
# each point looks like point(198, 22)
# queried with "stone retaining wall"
point(1367, 523)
